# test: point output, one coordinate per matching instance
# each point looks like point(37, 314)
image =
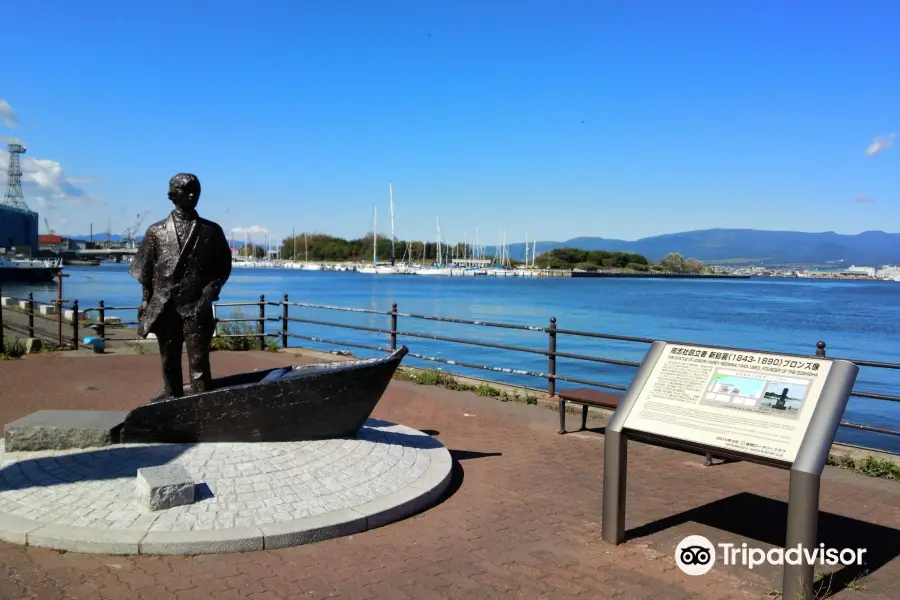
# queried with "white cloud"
point(249, 230)
point(880, 144)
point(863, 199)
point(8, 117)
point(45, 184)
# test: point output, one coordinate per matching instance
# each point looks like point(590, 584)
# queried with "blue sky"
point(561, 119)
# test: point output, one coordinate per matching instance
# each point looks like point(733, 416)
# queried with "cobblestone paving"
point(250, 484)
point(520, 521)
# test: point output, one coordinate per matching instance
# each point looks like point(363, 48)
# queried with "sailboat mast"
point(391, 191)
point(294, 251)
point(437, 254)
point(306, 246)
point(526, 249)
point(375, 238)
point(477, 251)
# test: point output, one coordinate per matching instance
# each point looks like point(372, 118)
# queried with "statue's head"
point(184, 191)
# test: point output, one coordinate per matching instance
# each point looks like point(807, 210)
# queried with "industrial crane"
point(130, 234)
point(50, 230)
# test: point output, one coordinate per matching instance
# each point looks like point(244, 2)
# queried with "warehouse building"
point(18, 230)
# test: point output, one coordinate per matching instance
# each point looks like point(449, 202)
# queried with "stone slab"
point(90, 540)
point(63, 429)
point(7, 301)
point(208, 541)
point(163, 487)
point(15, 529)
point(387, 509)
point(47, 309)
point(255, 495)
point(314, 528)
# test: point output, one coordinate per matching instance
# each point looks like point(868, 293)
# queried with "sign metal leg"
point(615, 466)
point(802, 531)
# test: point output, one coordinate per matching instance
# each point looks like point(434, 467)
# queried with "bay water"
point(856, 319)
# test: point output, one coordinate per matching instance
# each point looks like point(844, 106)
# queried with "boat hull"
point(307, 402)
point(27, 274)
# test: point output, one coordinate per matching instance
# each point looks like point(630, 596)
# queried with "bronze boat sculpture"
point(304, 402)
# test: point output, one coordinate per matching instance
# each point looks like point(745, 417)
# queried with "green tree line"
point(320, 247)
point(593, 260)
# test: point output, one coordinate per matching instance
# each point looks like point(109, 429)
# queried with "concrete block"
point(112, 320)
point(6, 301)
point(166, 486)
point(71, 316)
point(33, 345)
point(23, 304)
point(47, 310)
point(63, 429)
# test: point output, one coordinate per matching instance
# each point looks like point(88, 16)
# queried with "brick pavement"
point(520, 521)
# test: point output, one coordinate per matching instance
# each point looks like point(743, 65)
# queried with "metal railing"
point(552, 331)
point(45, 326)
point(393, 331)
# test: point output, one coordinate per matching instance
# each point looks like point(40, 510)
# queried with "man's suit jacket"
point(185, 275)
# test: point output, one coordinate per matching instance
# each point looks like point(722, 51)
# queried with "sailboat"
point(438, 267)
point(377, 269)
point(308, 266)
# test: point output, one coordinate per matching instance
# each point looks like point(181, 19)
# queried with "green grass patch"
point(246, 336)
point(447, 381)
point(873, 466)
point(487, 391)
point(12, 348)
point(441, 379)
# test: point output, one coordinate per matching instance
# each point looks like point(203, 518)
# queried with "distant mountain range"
point(748, 246)
point(729, 246)
point(98, 237)
point(118, 238)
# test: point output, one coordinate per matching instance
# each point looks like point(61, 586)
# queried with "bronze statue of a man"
point(182, 264)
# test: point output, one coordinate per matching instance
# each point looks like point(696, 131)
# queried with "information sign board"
point(752, 403)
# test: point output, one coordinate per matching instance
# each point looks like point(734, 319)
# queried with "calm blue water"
point(856, 319)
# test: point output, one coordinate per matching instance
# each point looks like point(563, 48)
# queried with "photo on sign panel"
point(785, 397)
point(730, 387)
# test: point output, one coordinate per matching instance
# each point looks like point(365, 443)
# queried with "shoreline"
point(576, 274)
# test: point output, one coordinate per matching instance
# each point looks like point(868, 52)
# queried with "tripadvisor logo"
point(696, 555)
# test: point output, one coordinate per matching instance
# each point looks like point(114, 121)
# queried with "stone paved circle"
point(250, 495)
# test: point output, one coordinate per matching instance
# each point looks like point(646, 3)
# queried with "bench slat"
point(591, 397)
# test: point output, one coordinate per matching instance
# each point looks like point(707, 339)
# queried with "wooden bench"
point(586, 397)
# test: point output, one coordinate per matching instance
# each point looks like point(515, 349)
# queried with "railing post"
point(30, 314)
point(284, 321)
point(820, 349)
point(75, 316)
point(261, 326)
point(101, 326)
point(393, 326)
point(551, 357)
